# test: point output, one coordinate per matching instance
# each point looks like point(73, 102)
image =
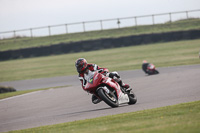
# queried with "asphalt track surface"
point(173, 85)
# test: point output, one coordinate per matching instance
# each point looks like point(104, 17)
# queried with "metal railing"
point(101, 24)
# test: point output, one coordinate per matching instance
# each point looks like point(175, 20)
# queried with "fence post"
point(187, 14)
point(66, 28)
point(170, 17)
point(31, 33)
point(118, 22)
point(101, 24)
point(49, 30)
point(153, 19)
point(135, 21)
point(83, 26)
point(14, 34)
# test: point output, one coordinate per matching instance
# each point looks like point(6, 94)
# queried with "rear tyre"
point(109, 98)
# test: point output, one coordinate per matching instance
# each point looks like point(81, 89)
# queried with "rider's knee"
point(115, 75)
point(112, 74)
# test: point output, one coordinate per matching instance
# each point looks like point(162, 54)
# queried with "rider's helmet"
point(144, 61)
point(81, 65)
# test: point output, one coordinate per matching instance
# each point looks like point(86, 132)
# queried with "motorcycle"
point(108, 90)
point(150, 70)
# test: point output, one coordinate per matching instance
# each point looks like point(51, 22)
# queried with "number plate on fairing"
point(123, 98)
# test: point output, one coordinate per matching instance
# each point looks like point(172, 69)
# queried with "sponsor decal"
point(91, 80)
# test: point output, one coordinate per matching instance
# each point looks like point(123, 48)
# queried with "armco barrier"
point(99, 44)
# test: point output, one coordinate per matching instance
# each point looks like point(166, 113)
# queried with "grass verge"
point(183, 118)
point(116, 59)
point(11, 94)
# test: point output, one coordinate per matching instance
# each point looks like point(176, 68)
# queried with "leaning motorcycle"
point(108, 90)
point(151, 69)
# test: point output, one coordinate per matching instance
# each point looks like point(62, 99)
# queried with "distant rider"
point(144, 66)
point(147, 65)
point(85, 70)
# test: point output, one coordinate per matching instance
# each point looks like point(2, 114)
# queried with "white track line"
point(13, 97)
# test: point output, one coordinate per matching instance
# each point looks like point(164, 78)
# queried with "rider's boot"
point(125, 86)
point(95, 99)
point(117, 78)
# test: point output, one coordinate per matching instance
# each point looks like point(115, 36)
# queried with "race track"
point(172, 86)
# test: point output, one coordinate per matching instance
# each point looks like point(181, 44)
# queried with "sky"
point(24, 14)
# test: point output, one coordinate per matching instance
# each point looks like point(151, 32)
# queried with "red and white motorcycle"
point(149, 68)
point(108, 90)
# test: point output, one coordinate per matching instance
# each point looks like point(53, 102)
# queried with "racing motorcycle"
point(150, 69)
point(108, 90)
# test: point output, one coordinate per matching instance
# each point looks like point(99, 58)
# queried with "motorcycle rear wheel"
point(108, 98)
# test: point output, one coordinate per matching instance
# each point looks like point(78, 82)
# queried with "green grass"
point(116, 59)
point(11, 94)
point(182, 118)
point(27, 42)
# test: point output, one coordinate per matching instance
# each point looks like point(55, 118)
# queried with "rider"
point(145, 65)
point(83, 68)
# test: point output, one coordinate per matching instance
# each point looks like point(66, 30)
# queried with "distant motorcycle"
point(149, 68)
point(108, 90)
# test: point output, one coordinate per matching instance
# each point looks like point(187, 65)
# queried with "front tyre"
point(156, 72)
point(109, 98)
point(132, 97)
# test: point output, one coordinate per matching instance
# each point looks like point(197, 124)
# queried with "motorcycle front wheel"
point(156, 72)
point(109, 98)
point(132, 97)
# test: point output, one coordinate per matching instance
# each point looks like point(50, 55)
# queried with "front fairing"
point(93, 82)
point(97, 80)
point(151, 67)
point(113, 84)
